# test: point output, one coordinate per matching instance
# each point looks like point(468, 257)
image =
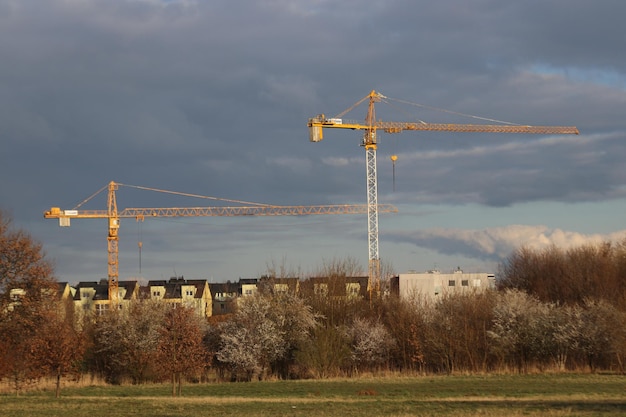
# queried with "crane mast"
point(370, 127)
point(113, 217)
point(112, 245)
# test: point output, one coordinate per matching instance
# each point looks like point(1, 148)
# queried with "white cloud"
point(499, 242)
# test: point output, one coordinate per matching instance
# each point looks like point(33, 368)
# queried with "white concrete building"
point(432, 285)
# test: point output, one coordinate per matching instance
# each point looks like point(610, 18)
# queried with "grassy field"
point(492, 395)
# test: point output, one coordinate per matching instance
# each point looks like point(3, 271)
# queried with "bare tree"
point(568, 276)
point(455, 335)
point(340, 267)
point(275, 269)
point(405, 321)
point(326, 353)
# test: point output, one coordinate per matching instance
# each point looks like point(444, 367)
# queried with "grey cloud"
point(213, 98)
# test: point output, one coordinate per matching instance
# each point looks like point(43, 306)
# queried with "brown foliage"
point(181, 350)
point(26, 286)
point(569, 276)
point(56, 345)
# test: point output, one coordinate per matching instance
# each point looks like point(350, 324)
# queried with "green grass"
point(492, 395)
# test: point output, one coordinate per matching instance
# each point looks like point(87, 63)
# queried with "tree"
point(181, 350)
point(405, 320)
point(330, 298)
point(456, 331)
point(26, 282)
point(602, 333)
point(526, 330)
point(371, 343)
point(569, 276)
point(57, 345)
point(141, 336)
point(276, 269)
point(23, 265)
point(295, 319)
point(337, 267)
point(326, 352)
point(107, 356)
point(251, 340)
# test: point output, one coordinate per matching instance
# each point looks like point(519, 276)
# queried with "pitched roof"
point(173, 287)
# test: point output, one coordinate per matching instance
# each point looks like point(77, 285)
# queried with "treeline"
point(553, 310)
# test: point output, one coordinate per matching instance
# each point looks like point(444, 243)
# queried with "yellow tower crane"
point(370, 127)
point(252, 209)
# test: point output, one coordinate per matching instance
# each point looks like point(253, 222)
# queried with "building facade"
point(432, 285)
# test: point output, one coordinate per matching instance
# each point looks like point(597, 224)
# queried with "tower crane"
point(370, 127)
point(114, 216)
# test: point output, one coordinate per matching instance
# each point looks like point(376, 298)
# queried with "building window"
point(321, 289)
point(101, 309)
point(451, 283)
point(156, 293)
point(465, 283)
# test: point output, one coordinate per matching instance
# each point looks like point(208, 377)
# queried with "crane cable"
point(453, 112)
point(175, 193)
point(384, 99)
point(90, 197)
point(197, 196)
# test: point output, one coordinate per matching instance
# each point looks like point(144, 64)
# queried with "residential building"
point(248, 286)
point(335, 287)
point(180, 292)
point(225, 296)
point(93, 297)
point(277, 286)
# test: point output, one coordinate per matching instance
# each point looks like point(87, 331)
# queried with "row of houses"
point(211, 299)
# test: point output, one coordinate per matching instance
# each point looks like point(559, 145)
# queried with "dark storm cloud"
point(212, 97)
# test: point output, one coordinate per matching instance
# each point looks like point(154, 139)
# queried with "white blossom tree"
point(601, 332)
point(264, 332)
point(251, 340)
point(515, 327)
point(371, 342)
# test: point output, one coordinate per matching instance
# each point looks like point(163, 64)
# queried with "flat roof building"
point(433, 284)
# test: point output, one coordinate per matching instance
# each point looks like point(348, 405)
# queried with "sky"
point(212, 98)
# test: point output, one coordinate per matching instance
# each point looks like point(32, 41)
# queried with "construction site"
point(370, 127)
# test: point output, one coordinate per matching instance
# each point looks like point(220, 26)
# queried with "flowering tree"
point(264, 334)
point(371, 343)
point(251, 340)
point(514, 327)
